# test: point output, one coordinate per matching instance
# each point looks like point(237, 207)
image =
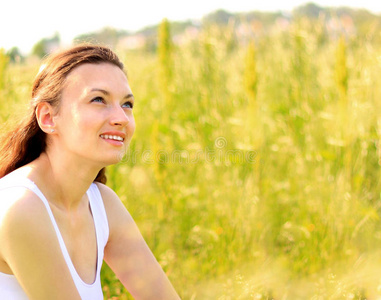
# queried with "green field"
point(254, 172)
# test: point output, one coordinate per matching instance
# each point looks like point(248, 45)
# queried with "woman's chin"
point(115, 159)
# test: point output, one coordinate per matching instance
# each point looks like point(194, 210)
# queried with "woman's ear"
point(45, 117)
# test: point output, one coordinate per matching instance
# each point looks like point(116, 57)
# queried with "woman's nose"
point(119, 116)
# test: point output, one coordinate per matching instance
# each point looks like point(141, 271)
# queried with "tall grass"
point(4, 60)
point(255, 174)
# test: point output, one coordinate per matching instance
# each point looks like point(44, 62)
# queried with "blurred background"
point(254, 172)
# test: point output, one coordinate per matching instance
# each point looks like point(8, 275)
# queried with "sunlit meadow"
point(254, 172)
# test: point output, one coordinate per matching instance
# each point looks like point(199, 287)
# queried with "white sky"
point(25, 22)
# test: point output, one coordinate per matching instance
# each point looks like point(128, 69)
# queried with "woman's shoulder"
point(109, 197)
point(17, 198)
point(117, 213)
point(107, 193)
point(20, 206)
point(111, 200)
point(24, 221)
point(29, 245)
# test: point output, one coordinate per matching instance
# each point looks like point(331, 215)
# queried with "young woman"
point(58, 220)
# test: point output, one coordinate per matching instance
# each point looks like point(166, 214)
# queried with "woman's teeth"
point(112, 137)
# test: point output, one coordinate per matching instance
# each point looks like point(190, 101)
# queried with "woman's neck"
point(64, 182)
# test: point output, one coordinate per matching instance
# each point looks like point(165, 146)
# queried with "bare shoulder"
point(29, 246)
point(117, 213)
point(110, 198)
point(21, 205)
point(107, 193)
point(21, 211)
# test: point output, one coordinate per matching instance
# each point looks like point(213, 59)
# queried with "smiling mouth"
point(112, 137)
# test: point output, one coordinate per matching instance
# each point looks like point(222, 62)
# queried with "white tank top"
point(9, 286)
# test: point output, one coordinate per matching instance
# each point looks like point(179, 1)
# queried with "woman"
point(58, 220)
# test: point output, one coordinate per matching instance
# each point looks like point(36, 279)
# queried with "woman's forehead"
point(96, 71)
point(88, 76)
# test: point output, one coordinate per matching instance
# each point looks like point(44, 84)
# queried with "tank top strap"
point(27, 183)
point(99, 214)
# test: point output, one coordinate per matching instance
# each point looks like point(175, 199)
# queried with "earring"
point(52, 130)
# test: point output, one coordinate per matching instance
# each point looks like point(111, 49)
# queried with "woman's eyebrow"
point(129, 96)
point(100, 90)
point(107, 93)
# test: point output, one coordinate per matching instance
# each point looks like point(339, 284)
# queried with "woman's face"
point(95, 120)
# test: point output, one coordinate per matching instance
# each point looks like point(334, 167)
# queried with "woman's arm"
point(129, 256)
point(30, 248)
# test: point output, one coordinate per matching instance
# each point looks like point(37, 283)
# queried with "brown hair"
point(27, 141)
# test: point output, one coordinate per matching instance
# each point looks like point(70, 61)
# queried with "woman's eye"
point(128, 104)
point(98, 99)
